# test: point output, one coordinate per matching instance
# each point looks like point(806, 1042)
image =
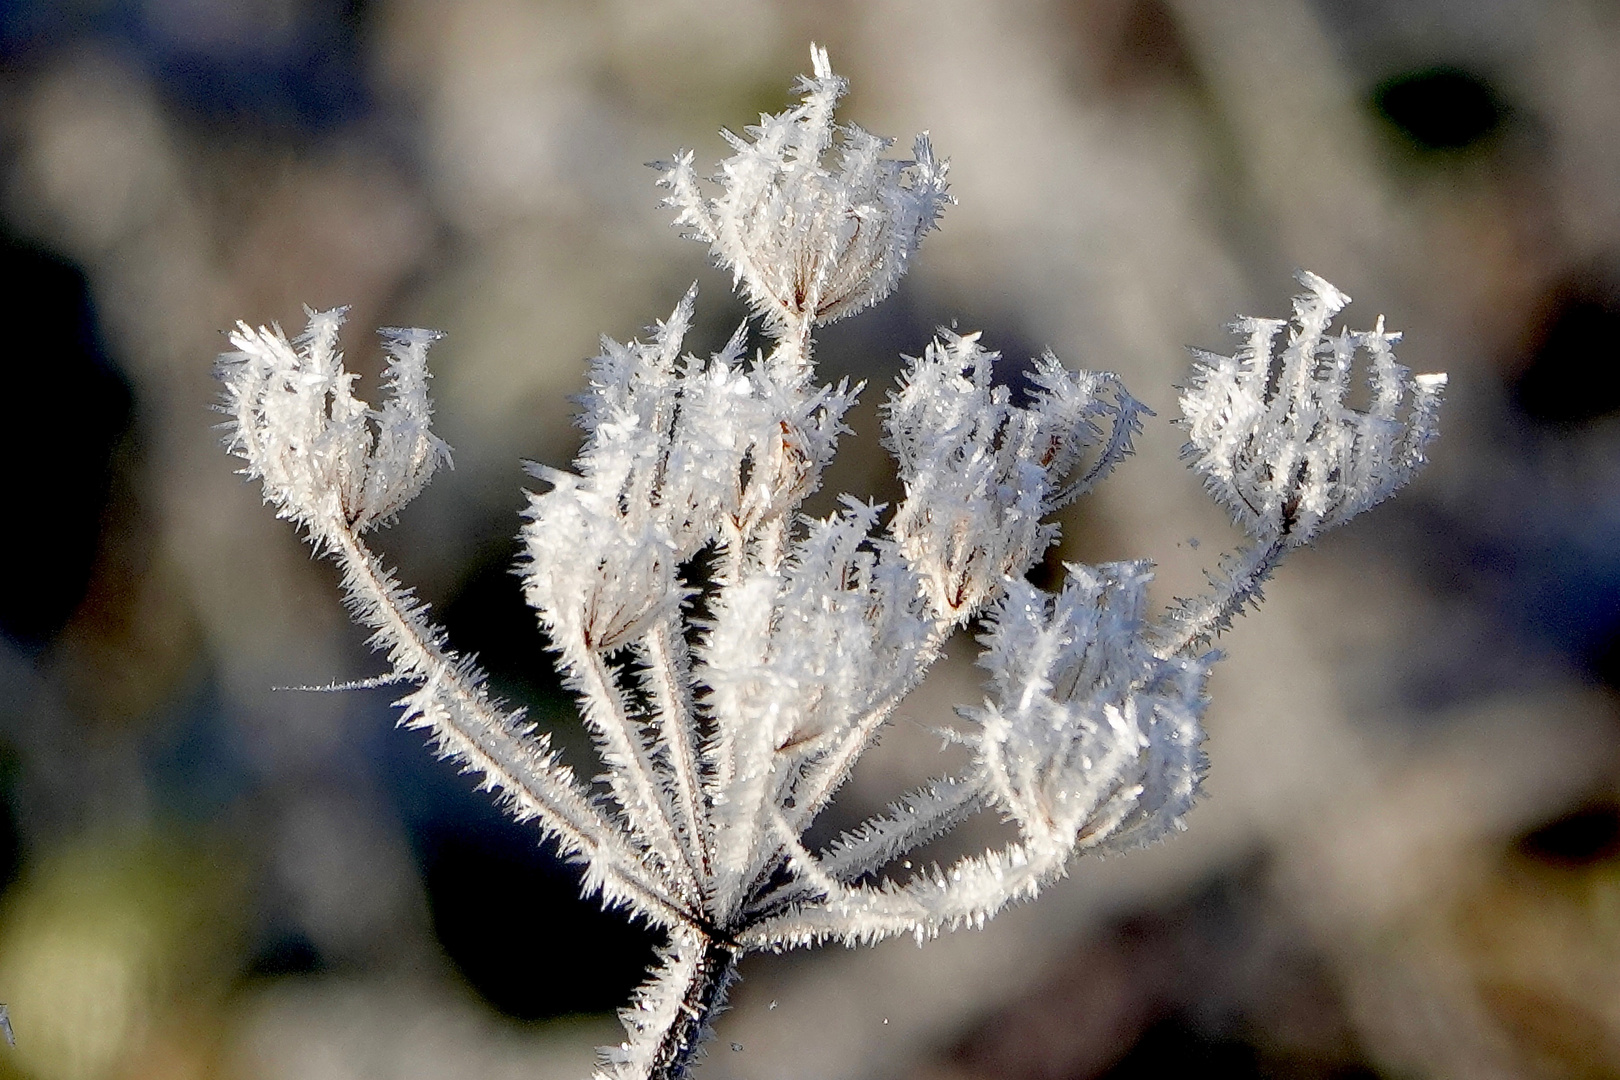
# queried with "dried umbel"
point(325, 455)
point(722, 739)
point(811, 244)
point(982, 476)
point(1273, 438)
point(1282, 452)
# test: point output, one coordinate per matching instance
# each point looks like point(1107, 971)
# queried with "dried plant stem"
point(727, 713)
point(669, 675)
point(1197, 622)
point(469, 727)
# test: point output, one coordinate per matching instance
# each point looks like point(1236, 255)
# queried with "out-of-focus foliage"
point(117, 955)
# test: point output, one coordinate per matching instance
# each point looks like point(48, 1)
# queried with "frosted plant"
point(723, 737)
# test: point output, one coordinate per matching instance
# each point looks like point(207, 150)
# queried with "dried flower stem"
point(1088, 737)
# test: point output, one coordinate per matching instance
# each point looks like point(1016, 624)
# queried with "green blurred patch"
point(116, 956)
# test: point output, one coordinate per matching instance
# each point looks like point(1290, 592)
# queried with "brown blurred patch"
point(131, 642)
point(1541, 937)
point(325, 233)
point(1126, 46)
point(1223, 981)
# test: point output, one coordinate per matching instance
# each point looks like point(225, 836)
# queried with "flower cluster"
point(325, 455)
point(723, 736)
point(982, 476)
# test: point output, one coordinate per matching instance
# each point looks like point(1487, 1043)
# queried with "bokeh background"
point(1408, 861)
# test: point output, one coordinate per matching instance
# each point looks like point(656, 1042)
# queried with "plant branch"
point(672, 1013)
point(631, 769)
point(468, 725)
point(1196, 622)
point(669, 679)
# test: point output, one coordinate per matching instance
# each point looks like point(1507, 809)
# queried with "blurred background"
point(1407, 864)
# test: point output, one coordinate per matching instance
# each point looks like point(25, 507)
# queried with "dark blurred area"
point(1408, 860)
point(65, 482)
point(291, 68)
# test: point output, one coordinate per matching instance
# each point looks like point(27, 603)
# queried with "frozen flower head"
point(982, 474)
point(1273, 437)
point(809, 243)
point(324, 454)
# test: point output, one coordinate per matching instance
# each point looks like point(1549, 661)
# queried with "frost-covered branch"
point(721, 740)
point(335, 466)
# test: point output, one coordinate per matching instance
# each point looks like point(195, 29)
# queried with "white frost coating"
point(981, 474)
point(1273, 438)
point(1278, 447)
point(722, 736)
point(1088, 737)
point(320, 450)
point(806, 241)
